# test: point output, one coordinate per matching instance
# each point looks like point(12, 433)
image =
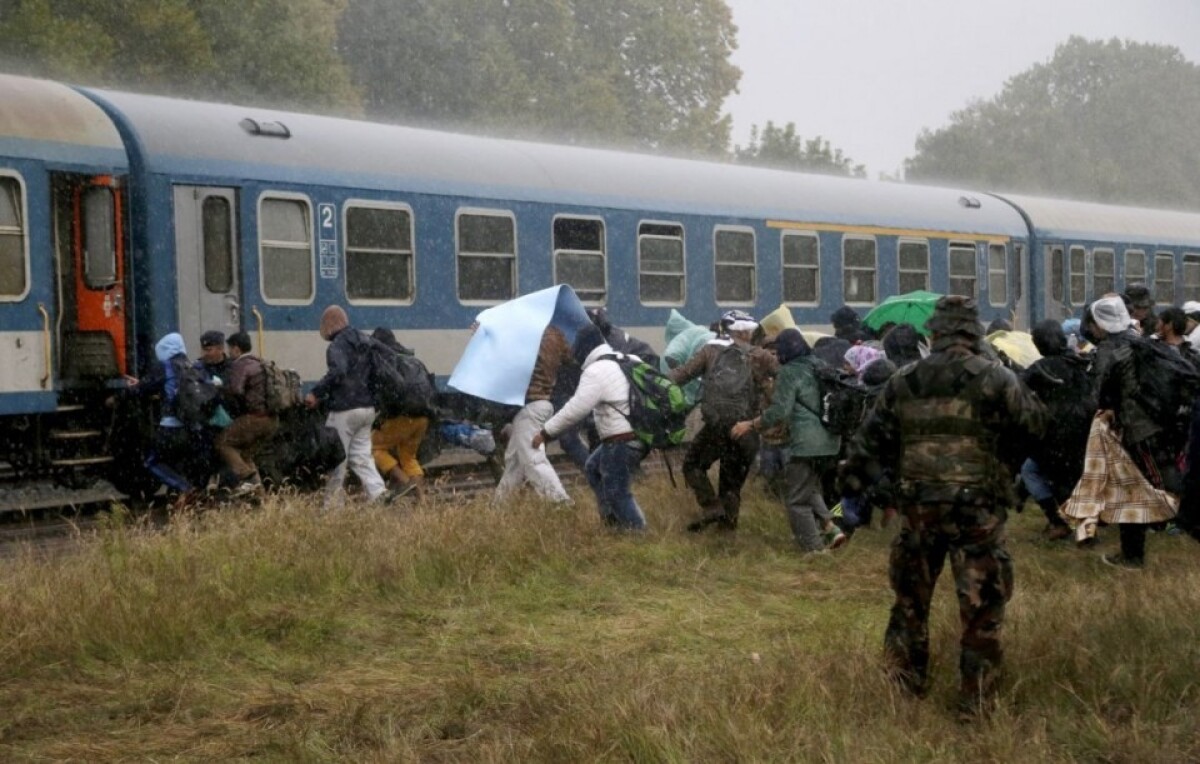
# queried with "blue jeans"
point(609, 471)
point(1038, 486)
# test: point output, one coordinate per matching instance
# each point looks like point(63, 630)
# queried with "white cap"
point(1192, 309)
point(1110, 314)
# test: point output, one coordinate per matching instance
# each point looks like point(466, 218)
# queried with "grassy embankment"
point(455, 632)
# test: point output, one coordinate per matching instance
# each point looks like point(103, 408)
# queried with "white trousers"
point(354, 429)
point(523, 463)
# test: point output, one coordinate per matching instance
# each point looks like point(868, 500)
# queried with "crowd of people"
point(931, 424)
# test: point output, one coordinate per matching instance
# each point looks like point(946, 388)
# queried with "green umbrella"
point(913, 308)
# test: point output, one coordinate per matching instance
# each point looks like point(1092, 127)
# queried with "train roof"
point(43, 119)
point(1063, 219)
point(184, 137)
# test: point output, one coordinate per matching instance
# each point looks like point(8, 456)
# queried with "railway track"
point(49, 527)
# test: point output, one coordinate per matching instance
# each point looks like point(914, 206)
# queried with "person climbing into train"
point(735, 374)
point(177, 456)
point(345, 393)
point(522, 462)
point(244, 396)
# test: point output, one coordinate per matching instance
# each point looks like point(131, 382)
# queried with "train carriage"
point(1085, 250)
point(258, 219)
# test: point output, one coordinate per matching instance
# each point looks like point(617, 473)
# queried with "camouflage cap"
point(955, 314)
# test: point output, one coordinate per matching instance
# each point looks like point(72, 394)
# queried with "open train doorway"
point(208, 261)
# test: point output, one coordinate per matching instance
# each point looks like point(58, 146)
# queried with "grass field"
point(456, 632)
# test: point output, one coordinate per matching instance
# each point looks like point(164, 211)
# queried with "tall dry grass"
point(454, 631)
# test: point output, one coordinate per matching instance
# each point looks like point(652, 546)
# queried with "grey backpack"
point(728, 387)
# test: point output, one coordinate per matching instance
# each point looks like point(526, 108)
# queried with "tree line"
point(1102, 120)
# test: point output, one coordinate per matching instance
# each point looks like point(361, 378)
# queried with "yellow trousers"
point(396, 443)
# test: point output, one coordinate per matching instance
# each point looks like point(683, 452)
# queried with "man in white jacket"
point(603, 391)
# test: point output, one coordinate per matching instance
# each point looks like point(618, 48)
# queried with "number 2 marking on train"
point(326, 212)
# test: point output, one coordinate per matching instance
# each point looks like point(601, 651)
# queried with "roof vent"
point(969, 202)
point(265, 129)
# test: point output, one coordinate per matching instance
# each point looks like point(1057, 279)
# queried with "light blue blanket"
point(498, 361)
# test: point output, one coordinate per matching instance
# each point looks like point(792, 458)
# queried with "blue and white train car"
point(243, 217)
point(1084, 250)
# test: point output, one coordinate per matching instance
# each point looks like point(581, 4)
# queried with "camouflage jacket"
point(952, 423)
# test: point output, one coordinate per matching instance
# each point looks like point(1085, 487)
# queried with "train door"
point(98, 346)
point(1055, 264)
point(207, 259)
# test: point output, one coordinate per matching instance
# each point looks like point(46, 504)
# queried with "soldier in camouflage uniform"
point(951, 428)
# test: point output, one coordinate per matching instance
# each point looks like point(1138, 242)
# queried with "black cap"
point(212, 338)
point(1137, 295)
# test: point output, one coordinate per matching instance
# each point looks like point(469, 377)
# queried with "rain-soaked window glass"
point(912, 260)
point(661, 275)
point(1164, 278)
point(379, 254)
point(735, 266)
point(285, 249)
point(1104, 272)
point(1057, 263)
point(1135, 266)
point(99, 238)
point(487, 257)
point(13, 278)
point(963, 273)
point(1191, 276)
point(858, 270)
point(997, 274)
point(801, 268)
point(1078, 279)
point(579, 257)
point(216, 231)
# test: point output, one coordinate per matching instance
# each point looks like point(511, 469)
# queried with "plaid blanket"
point(1112, 488)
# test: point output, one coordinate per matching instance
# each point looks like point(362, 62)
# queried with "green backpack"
point(657, 406)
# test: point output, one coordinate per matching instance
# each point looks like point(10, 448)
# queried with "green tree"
point(643, 73)
point(782, 148)
point(282, 52)
point(1108, 121)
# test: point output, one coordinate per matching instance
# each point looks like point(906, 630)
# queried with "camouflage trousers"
point(972, 535)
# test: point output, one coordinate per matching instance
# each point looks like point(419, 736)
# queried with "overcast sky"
point(869, 74)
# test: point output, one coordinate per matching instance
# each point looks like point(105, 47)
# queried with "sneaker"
point(245, 488)
point(1121, 561)
point(709, 517)
point(835, 539)
point(399, 492)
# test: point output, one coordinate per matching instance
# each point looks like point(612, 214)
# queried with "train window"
point(964, 276)
point(1078, 275)
point(379, 253)
point(1104, 272)
point(735, 265)
point(661, 275)
point(99, 238)
point(1191, 276)
point(487, 256)
point(1135, 267)
point(217, 239)
point(912, 259)
point(14, 279)
point(1057, 285)
point(859, 270)
point(579, 259)
point(1164, 278)
point(801, 268)
point(997, 274)
point(285, 250)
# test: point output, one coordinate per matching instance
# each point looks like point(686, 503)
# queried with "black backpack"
point(196, 398)
point(400, 384)
point(728, 387)
point(1167, 382)
point(843, 400)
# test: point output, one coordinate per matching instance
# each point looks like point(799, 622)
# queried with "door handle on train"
point(235, 310)
point(46, 343)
